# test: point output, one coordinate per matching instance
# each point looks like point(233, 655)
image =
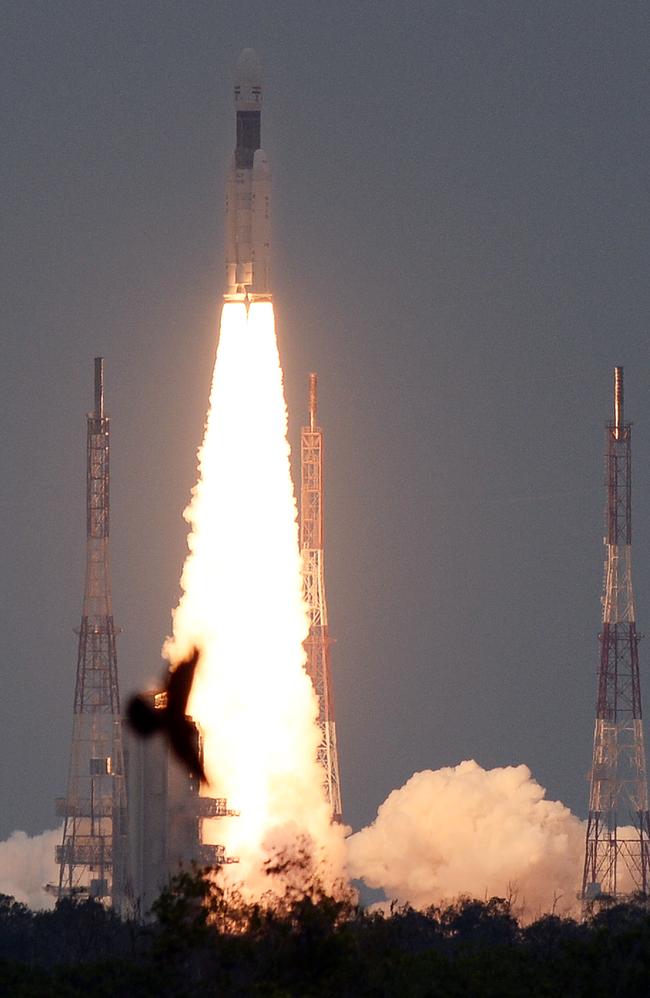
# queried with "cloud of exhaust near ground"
point(242, 606)
point(465, 830)
point(27, 864)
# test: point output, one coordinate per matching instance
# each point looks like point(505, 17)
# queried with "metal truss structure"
point(617, 849)
point(93, 856)
point(317, 644)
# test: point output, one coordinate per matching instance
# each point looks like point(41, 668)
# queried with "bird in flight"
point(167, 715)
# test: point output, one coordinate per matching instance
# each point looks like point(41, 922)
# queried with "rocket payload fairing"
point(248, 193)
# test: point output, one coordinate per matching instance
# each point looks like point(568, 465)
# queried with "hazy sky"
point(460, 205)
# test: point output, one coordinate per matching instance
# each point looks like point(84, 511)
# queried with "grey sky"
point(460, 250)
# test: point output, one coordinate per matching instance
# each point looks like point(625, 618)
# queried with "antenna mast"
point(318, 642)
point(617, 847)
point(93, 855)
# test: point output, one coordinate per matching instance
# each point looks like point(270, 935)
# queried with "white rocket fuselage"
point(248, 193)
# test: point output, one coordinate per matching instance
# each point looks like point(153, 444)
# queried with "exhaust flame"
point(242, 606)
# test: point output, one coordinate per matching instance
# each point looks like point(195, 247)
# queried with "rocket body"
point(248, 193)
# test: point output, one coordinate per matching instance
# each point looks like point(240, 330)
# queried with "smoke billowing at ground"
point(467, 830)
point(242, 606)
point(27, 864)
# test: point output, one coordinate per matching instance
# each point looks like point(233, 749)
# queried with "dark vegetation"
point(208, 941)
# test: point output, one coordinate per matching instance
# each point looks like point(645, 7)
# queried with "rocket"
point(248, 193)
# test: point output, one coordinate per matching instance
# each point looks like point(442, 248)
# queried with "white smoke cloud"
point(27, 864)
point(468, 830)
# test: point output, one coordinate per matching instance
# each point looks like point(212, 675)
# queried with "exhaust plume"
point(464, 830)
point(27, 864)
point(242, 607)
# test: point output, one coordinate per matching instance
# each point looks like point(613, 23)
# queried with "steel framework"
point(617, 848)
point(317, 644)
point(93, 856)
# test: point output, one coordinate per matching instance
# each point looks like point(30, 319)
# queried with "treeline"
point(208, 941)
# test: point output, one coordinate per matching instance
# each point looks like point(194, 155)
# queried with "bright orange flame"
point(242, 606)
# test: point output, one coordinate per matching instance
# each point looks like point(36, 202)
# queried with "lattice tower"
point(317, 644)
point(617, 848)
point(93, 856)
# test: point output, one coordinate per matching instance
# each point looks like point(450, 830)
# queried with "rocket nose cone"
point(248, 69)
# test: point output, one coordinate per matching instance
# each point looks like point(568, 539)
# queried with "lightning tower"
point(617, 848)
point(93, 854)
point(317, 644)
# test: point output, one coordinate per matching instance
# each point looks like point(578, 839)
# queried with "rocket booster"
point(248, 193)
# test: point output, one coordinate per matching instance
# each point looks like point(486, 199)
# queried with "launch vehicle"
point(248, 193)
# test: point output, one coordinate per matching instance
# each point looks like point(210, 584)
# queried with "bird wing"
point(184, 739)
point(179, 685)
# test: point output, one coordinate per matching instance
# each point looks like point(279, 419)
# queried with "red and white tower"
point(93, 856)
point(617, 849)
point(317, 644)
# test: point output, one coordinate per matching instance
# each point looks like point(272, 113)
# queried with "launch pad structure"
point(118, 855)
point(617, 846)
point(93, 855)
point(318, 641)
